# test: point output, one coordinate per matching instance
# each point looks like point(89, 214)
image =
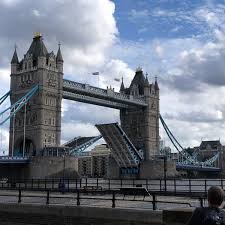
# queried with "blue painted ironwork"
point(80, 148)
point(14, 160)
point(181, 166)
point(4, 97)
point(123, 151)
point(13, 109)
point(190, 160)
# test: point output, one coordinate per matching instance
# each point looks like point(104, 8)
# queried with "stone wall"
point(27, 214)
point(41, 167)
point(52, 166)
point(154, 169)
point(176, 216)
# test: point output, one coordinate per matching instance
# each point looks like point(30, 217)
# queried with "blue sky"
point(180, 42)
point(144, 20)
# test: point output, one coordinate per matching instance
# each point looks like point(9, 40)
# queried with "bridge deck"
point(90, 94)
point(14, 160)
point(122, 149)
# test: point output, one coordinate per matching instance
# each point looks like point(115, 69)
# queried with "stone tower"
point(142, 124)
point(43, 111)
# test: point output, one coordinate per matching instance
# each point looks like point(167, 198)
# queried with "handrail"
point(78, 198)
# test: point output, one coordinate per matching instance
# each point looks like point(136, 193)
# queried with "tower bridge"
point(36, 92)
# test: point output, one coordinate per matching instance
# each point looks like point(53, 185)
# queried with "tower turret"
point(137, 84)
point(146, 86)
point(14, 62)
point(122, 88)
point(156, 85)
point(59, 60)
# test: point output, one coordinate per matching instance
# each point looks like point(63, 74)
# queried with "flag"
point(117, 79)
point(95, 73)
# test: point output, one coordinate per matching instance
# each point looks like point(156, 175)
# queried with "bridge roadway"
point(105, 97)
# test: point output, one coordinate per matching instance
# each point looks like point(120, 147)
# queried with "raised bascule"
point(36, 92)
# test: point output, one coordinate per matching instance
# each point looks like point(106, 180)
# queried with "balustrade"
point(86, 88)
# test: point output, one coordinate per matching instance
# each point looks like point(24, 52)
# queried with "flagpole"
point(96, 74)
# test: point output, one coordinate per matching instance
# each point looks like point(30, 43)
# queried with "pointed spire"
point(156, 84)
point(15, 59)
point(122, 88)
point(146, 80)
point(37, 47)
point(59, 57)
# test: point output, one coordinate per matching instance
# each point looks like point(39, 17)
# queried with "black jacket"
point(200, 216)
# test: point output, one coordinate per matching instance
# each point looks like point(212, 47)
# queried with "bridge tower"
point(142, 124)
point(40, 118)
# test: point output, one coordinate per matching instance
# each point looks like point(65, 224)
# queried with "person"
point(213, 214)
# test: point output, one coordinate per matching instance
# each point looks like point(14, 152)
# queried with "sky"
point(180, 42)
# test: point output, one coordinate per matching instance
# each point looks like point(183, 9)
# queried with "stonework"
point(43, 111)
point(142, 124)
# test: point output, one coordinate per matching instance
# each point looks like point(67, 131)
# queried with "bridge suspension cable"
point(4, 97)
point(189, 158)
point(13, 109)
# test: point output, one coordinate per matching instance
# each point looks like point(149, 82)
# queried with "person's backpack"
point(214, 217)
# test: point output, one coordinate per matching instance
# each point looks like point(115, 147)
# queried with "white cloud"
point(138, 14)
point(10, 2)
point(159, 51)
point(36, 12)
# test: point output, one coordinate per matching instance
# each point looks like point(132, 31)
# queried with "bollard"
point(78, 197)
point(80, 183)
point(160, 185)
point(109, 184)
point(189, 182)
point(201, 201)
point(114, 200)
point(19, 196)
point(175, 186)
point(205, 186)
point(47, 198)
point(154, 206)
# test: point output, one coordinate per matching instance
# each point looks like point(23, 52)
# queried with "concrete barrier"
point(21, 214)
point(177, 216)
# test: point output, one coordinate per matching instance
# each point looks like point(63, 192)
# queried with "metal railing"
point(185, 187)
point(78, 198)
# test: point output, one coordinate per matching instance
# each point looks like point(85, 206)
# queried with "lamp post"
point(165, 171)
point(63, 176)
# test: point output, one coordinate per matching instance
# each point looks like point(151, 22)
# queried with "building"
point(42, 114)
point(142, 124)
point(94, 163)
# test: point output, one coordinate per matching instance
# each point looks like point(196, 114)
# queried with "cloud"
point(86, 30)
point(135, 15)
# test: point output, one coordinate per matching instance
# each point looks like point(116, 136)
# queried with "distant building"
point(94, 163)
